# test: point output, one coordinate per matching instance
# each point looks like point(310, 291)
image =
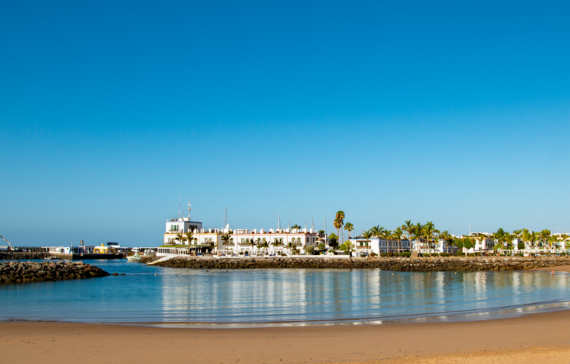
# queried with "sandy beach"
point(529, 339)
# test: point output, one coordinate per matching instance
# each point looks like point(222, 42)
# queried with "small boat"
point(134, 258)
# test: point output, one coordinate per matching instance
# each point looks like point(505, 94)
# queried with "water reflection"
point(154, 294)
point(330, 295)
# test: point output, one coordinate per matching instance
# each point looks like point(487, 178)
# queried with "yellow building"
point(102, 249)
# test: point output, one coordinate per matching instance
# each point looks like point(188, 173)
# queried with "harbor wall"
point(424, 264)
point(14, 255)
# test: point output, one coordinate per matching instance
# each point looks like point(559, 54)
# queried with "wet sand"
point(534, 338)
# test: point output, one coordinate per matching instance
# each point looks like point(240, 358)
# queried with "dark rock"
point(27, 272)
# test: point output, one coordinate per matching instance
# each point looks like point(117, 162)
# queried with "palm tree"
point(446, 236)
point(226, 239)
point(180, 237)
point(398, 236)
point(418, 232)
point(339, 222)
point(534, 237)
point(348, 227)
point(377, 231)
point(526, 235)
point(429, 232)
point(509, 240)
point(545, 237)
point(188, 237)
point(298, 227)
point(366, 234)
point(408, 227)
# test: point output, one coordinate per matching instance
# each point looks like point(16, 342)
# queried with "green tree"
point(499, 235)
point(310, 250)
point(346, 247)
point(333, 240)
point(296, 226)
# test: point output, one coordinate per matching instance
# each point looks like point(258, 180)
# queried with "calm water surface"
point(165, 295)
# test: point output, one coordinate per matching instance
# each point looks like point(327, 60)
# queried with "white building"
point(234, 242)
point(440, 246)
point(272, 242)
point(484, 244)
point(181, 225)
point(366, 246)
point(66, 250)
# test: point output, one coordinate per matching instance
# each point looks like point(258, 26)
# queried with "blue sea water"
point(168, 296)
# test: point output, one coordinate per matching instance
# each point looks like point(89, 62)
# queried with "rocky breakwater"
point(28, 272)
point(431, 264)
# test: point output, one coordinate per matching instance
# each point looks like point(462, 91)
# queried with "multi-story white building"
point(272, 242)
point(181, 225)
point(234, 242)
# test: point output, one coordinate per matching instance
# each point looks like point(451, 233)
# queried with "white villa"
point(439, 247)
point(365, 246)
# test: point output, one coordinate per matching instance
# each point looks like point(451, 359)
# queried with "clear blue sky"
point(114, 114)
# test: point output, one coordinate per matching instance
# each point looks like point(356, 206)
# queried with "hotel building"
point(233, 242)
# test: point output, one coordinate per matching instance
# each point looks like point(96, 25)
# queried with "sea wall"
point(11, 255)
point(431, 264)
point(28, 272)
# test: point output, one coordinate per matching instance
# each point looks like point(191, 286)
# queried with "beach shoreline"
point(533, 336)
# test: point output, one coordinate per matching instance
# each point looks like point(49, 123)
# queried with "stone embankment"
point(431, 264)
point(28, 272)
point(12, 255)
